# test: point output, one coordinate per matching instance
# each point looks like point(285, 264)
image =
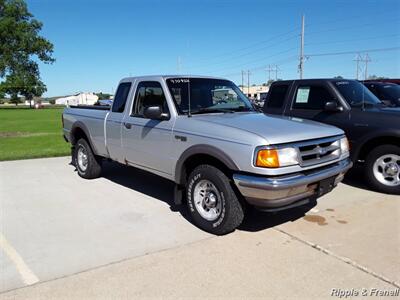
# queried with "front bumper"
point(277, 193)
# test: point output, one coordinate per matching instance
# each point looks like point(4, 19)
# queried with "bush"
point(52, 102)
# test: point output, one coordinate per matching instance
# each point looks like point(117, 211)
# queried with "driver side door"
point(308, 102)
point(147, 143)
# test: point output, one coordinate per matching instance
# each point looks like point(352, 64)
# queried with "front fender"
point(202, 149)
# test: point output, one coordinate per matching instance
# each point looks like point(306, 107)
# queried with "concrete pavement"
point(119, 237)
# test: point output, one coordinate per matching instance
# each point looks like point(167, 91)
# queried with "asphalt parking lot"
point(120, 237)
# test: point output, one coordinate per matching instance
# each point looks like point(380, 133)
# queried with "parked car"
point(388, 93)
point(203, 134)
point(372, 127)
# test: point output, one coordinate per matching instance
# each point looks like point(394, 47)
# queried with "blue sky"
point(97, 42)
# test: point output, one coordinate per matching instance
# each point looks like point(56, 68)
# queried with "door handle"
point(128, 125)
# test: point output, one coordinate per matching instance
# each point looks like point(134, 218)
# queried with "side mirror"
point(154, 113)
point(332, 106)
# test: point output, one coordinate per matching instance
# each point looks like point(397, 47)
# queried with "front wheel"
point(212, 203)
point(383, 169)
point(87, 164)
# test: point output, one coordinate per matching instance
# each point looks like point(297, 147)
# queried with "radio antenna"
point(189, 113)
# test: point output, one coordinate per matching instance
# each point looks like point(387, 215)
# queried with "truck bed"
point(96, 107)
point(93, 118)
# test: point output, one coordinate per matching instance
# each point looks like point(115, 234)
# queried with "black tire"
point(372, 157)
point(231, 212)
point(93, 165)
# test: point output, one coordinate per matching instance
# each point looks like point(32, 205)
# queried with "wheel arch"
point(375, 141)
point(78, 131)
point(202, 154)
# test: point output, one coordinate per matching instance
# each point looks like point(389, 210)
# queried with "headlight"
point(275, 158)
point(344, 145)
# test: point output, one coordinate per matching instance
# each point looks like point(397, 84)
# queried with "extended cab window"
point(120, 97)
point(276, 97)
point(355, 93)
point(312, 97)
point(149, 93)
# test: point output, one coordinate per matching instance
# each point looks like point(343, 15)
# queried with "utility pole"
point(242, 81)
point(359, 69)
point(366, 60)
point(301, 58)
point(248, 81)
point(268, 69)
point(276, 72)
point(357, 60)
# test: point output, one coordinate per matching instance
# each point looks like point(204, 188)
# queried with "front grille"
point(319, 151)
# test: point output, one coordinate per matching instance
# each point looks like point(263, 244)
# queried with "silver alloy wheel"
point(82, 159)
point(207, 200)
point(387, 169)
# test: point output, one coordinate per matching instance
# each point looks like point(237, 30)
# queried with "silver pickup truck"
point(203, 134)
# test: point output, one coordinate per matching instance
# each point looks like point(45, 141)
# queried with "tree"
point(103, 96)
point(376, 77)
point(21, 47)
point(338, 77)
point(25, 81)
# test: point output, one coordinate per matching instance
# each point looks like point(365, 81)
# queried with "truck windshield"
point(355, 93)
point(207, 95)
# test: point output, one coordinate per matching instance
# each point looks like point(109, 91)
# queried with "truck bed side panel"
point(93, 121)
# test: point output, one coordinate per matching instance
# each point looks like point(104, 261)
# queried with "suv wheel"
point(87, 164)
point(383, 169)
point(212, 203)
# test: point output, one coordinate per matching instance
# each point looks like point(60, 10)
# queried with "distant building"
point(81, 98)
point(257, 92)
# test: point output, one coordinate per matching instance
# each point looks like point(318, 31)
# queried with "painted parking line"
point(28, 277)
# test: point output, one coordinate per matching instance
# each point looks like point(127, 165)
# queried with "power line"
point(248, 53)
point(336, 21)
point(353, 52)
point(353, 40)
point(361, 26)
point(248, 47)
point(255, 60)
point(262, 68)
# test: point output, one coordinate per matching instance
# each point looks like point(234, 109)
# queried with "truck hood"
point(274, 129)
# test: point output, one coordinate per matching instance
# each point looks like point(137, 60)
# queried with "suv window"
point(312, 97)
point(276, 97)
point(120, 97)
point(355, 93)
point(149, 93)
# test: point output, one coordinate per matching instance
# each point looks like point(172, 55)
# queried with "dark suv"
point(372, 127)
point(389, 93)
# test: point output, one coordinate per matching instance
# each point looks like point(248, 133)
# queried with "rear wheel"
point(212, 203)
point(87, 164)
point(383, 169)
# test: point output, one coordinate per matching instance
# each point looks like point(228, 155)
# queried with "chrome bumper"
point(282, 191)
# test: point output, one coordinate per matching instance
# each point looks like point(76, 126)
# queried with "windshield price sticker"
point(180, 80)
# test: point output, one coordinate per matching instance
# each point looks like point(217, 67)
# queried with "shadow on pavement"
point(163, 190)
point(356, 178)
point(256, 220)
point(140, 181)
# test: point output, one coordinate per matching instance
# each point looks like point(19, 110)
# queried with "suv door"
point(308, 102)
point(147, 143)
point(114, 121)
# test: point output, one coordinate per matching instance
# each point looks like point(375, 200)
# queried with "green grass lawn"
point(31, 133)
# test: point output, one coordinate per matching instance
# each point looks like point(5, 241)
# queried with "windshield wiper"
point(206, 110)
point(242, 108)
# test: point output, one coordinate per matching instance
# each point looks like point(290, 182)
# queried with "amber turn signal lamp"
point(267, 158)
